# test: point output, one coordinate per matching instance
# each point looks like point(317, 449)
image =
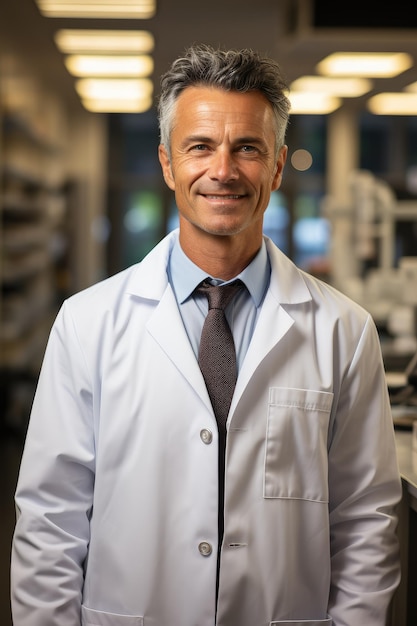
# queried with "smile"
point(222, 197)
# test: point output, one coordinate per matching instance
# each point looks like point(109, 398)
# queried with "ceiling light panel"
point(411, 87)
point(389, 103)
point(111, 89)
point(125, 9)
point(374, 65)
point(139, 105)
point(308, 103)
point(78, 41)
point(102, 65)
point(350, 87)
point(115, 95)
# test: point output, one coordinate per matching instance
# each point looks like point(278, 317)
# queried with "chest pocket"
point(91, 617)
point(296, 444)
point(304, 622)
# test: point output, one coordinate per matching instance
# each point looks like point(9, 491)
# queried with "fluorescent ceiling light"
point(77, 41)
point(309, 103)
point(115, 88)
point(139, 105)
point(393, 104)
point(412, 87)
point(343, 87)
point(374, 65)
point(102, 65)
point(125, 9)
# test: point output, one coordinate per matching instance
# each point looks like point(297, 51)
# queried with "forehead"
point(203, 105)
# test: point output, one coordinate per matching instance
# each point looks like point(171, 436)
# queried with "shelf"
point(24, 354)
point(24, 266)
point(18, 239)
point(22, 312)
point(33, 237)
point(36, 258)
point(15, 125)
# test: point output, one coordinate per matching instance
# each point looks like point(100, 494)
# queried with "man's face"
point(223, 164)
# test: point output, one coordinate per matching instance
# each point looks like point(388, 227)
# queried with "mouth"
point(222, 196)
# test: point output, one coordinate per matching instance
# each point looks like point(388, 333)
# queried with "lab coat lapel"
point(150, 282)
point(273, 323)
point(167, 328)
point(287, 290)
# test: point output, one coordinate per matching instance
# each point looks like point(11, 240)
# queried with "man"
point(119, 490)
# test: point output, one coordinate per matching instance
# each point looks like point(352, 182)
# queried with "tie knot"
point(219, 296)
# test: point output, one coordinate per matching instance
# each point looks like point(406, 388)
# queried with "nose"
point(223, 167)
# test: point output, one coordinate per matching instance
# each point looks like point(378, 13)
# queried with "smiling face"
point(223, 163)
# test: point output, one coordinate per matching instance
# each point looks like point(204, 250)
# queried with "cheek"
point(187, 176)
point(268, 180)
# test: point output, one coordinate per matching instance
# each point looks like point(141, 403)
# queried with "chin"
point(223, 231)
point(221, 227)
point(224, 227)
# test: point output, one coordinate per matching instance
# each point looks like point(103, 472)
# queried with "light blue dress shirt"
point(242, 313)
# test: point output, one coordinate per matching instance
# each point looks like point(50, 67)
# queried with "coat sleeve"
point(365, 488)
point(54, 493)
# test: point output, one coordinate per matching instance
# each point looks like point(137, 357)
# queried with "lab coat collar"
point(149, 281)
point(287, 284)
point(150, 278)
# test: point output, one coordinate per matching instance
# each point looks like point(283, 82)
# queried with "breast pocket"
point(296, 444)
point(91, 617)
point(304, 622)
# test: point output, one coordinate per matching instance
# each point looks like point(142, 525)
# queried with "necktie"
point(217, 361)
point(217, 356)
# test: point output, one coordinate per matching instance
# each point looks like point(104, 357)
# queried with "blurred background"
point(81, 192)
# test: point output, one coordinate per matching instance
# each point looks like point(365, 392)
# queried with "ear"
point(282, 157)
point(166, 167)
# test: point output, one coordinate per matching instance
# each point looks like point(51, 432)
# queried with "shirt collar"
point(184, 275)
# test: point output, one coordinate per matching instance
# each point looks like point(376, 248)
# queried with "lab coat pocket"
point(304, 622)
point(91, 617)
point(296, 444)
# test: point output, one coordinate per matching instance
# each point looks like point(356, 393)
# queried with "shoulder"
point(294, 287)
point(145, 280)
point(104, 293)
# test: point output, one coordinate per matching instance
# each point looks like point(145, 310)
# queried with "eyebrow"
point(252, 140)
point(196, 139)
point(240, 140)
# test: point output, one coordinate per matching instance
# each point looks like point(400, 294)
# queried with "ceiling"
point(283, 29)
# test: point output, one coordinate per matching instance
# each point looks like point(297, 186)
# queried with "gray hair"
point(231, 70)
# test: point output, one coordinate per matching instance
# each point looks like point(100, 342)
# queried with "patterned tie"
point(217, 356)
point(217, 361)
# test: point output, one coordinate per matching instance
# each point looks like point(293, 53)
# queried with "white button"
point(206, 435)
point(205, 548)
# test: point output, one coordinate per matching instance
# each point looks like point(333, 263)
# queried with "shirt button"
point(205, 548)
point(206, 436)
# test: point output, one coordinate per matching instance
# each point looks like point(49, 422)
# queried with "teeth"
point(230, 197)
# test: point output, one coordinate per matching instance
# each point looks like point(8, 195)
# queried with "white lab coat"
point(120, 464)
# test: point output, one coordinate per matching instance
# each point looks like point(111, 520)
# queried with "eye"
point(200, 147)
point(248, 149)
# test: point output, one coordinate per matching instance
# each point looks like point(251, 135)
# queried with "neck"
point(221, 256)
